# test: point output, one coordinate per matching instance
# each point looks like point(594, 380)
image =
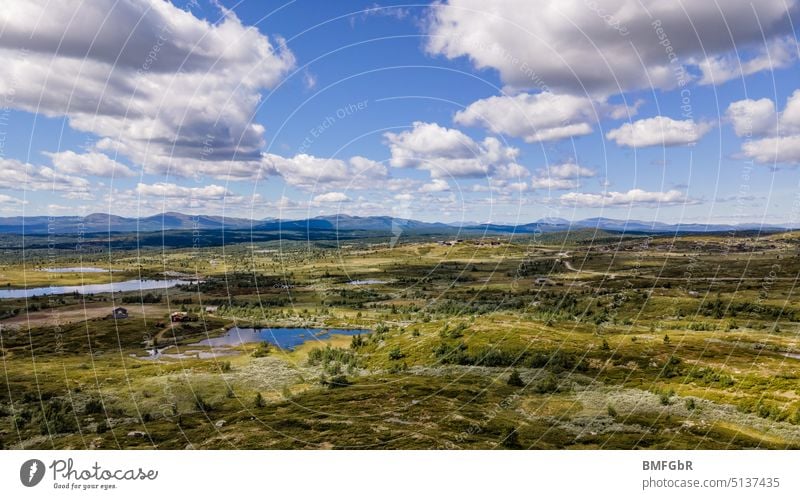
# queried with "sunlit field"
point(565, 341)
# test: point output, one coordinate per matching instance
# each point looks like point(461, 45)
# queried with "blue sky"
point(470, 110)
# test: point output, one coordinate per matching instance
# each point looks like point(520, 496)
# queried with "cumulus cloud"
point(772, 150)
point(162, 197)
point(534, 118)
point(658, 131)
point(160, 84)
point(91, 163)
point(540, 117)
point(553, 183)
point(17, 175)
point(446, 152)
point(436, 185)
point(570, 45)
point(561, 176)
point(775, 136)
point(331, 197)
point(307, 172)
point(630, 198)
point(777, 54)
point(167, 190)
point(5, 199)
point(752, 117)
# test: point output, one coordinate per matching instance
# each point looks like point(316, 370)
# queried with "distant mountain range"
point(173, 221)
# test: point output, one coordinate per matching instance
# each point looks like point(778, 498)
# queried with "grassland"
point(557, 342)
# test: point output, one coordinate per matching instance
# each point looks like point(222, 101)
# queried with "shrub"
point(264, 348)
point(326, 355)
point(201, 404)
point(514, 379)
point(546, 384)
point(510, 438)
point(57, 417)
point(672, 367)
point(611, 411)
point(259, 401)
point(94, 406)
point(357, 342)
point(396, 354)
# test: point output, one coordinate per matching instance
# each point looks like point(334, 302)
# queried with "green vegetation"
point(654, 342)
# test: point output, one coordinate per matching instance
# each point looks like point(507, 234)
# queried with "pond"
point(115, 287)
point(365, 282)
point(285, 338)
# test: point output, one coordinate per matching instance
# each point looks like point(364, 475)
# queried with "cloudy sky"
point(466, 110)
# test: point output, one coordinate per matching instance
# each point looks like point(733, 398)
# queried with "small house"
point(179, 317)
point(119, 313)
point(211, 309)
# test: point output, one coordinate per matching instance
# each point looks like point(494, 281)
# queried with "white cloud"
point(436, 185)
point(540, 117)
point(570, 45)
point(561, 177)
point(552, 183)
point(752, 117)
point(167, 190)
point(632, 197)
point(9, 200)
point(790, 117)
point(446, 152)
point(779, 53)
point(161, 85)
point(91, 163)
point(308, 172)
point(772, 150)
point(309, 80)
point(570, 170)
point(164, 197)
point(534, 118)
point(331, 197)
point(17, 175)
point(658, 131)
point(776, 136)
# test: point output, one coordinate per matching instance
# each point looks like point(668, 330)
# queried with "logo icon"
point(31, 472)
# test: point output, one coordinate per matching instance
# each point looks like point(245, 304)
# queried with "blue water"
point(116, 287)
point(285, 338)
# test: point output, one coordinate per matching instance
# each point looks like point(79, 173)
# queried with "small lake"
point(365, 282)
point(285, 338)
point(116, 287)
point(81, 270)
